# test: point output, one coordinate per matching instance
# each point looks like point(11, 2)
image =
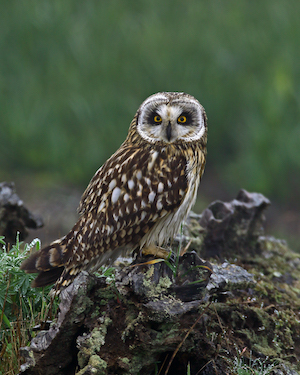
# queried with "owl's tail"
point(47, 262)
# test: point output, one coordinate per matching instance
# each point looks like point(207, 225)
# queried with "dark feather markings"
point(119, 218)
point(165, 168)
point(45, 259)
point(47, 277)
point(29, 264)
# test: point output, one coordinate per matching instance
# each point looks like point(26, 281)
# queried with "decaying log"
point(228, 229)
point(128, 326)
point(155, 319)
point(14, 216)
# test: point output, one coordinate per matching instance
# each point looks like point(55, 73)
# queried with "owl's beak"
point(169, 131)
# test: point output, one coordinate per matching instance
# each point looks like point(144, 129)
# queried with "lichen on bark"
point(243, 300)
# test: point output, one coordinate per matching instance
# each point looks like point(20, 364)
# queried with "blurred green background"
point(72, 75)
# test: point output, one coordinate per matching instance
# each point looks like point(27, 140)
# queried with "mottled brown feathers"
point(47, 277)
point(140, 195)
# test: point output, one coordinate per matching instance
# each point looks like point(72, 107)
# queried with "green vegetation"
point(257, 366)
point(74, 73)
point(21, 307)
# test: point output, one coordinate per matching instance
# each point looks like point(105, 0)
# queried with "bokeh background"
point(72, 75)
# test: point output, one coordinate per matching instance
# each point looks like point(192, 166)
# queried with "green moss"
point(125, 360)
point(96, 312)
point(96, 366)
point(131, 324)
point(97, 363)
point(92, 344)
point(107, 294)
point(265, 350)
point(155, 290)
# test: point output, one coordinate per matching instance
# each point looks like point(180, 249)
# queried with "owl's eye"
point(185, 118)
point(182, 119)
point(157, 119)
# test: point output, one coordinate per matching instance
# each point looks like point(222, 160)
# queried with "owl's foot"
point(157, 251)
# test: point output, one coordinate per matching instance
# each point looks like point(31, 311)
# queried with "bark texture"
point(195, 316)
point(14, 216)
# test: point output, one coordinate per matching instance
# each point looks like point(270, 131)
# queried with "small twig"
point(162, 366)
point(49, 313)
point(219, 319)
point(185, 249)
point(152, 261)
point(222, 328)
point(185, 337)
point(18, 337)
point(206, 364)
point(5, 298)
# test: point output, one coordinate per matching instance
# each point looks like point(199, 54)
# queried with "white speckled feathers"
point(133, 190)
point(139, 196)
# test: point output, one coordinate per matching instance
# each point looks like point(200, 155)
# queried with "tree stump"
point(196, 317)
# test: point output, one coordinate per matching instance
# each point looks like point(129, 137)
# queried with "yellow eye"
point(181, 119)
point(157, 119)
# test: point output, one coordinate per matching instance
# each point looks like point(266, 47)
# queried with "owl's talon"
point(156, 251)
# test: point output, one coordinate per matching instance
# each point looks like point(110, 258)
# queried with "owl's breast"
point(182, 185)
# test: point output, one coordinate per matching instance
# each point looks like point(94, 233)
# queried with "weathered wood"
point(14, 216)
point(152, 320)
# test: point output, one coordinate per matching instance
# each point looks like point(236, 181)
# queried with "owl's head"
point(169, 117)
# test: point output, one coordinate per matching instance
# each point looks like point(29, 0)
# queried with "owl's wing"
point(132, 191)
point(127, 196)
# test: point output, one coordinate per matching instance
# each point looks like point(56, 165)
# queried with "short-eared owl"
point(139, 197)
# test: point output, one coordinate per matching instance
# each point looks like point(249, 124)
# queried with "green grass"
point(21, 307)
point(74, 73)
point(255, 367)
point(242, 366)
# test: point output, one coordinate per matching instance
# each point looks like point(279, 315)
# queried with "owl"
point(137, 200)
